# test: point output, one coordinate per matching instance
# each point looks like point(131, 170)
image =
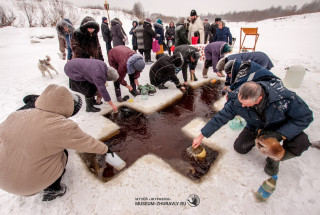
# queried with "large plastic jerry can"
point(294, 76)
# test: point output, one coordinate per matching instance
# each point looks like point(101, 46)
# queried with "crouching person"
point(164, 69)
point(273, 114)
point(88, 77)
point(33, 153)
point(191, 56)
point(126, 61)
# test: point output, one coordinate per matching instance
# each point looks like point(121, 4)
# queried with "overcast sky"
point(183, 7)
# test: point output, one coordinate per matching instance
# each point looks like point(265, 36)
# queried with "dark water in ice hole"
point(159, 134)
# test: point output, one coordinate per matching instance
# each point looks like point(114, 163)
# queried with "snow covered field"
point(229, 186)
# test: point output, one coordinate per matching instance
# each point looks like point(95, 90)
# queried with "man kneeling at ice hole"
point(273, 113)
point(33, 144)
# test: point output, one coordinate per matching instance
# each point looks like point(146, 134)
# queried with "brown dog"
point(45, 65)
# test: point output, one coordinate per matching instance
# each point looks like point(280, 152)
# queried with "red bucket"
point(194, 40)
point(172, 48)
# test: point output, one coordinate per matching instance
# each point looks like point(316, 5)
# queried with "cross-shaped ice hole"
point(160, 134)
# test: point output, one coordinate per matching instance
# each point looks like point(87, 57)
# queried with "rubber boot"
point(134, 91)
point(194, 77)
point(205, 72)
point(272, 166)
point(118, 95)
point(90, 107)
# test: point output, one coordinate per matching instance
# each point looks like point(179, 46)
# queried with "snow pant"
point(131, 78)
point(56, 184)
point(147, 55)
point(207, 64)
point(108, 46)
point(84, 87)
point(246, 141)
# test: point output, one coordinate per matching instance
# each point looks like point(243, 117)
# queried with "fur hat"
point(148, 20)
point(181, 20)
point(229, 66)
point(226, 49)
point(104, 18)
point(112, 74)
point(221, 63)
point(193, 13)
point(217, 19)
point(177, 59)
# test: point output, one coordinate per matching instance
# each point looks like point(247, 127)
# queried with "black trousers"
point(84, 87)
point(245, 142)
point(131, 78)
point(207, 64)
point(141, 51)
point(56, 184)
point(147, 55)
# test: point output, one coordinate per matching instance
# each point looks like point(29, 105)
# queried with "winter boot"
point(162, 87)
point(205, 72)
point(50, 194)
point(90, 107)
point(118, 95)
point(134, 91)
point(272, 167)
point(194, 77)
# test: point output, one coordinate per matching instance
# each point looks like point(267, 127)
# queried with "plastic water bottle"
point(115, 161)
point(267, 188)
point(144, 94)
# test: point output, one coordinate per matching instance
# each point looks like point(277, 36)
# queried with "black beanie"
point(193, 13)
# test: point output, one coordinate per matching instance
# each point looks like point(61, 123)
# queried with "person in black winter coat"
point(134, 36)
point(148, 34)
point(170, 32)
point(181, 35)
point(106, 33)
point(158, 28)
point(118, 34)
point(85, 41)
point(207, 29)
point(164, 69)
point(191, 56)
point(273, 114)
point(213, 29)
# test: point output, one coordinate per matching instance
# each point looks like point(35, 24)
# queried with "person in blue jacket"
point(223, 33)
point(273, 114)
point(258, 57)
point(134, 36)
point(240, 72)
point(65, 31)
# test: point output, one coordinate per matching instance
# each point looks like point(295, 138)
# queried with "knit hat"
point(135, 63)
point(77, 103)
point(104, 18)
point(193, 13)
point(112, 74)
point(217, 19)
point(148, 20)
point(159, 21)
point(229, 66)
point(226, 48)
point(139, 65)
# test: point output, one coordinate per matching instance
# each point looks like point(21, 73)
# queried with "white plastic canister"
point(115, 161)
point(294, 76)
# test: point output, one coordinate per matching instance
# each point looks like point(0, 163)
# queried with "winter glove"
point(111, 152)
point(268, 133)
point(270, 147)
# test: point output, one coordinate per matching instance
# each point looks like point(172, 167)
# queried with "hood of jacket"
point(60, 27)
point(89, 22)
point(115, 22)
point(56, 99)
point(157, 25)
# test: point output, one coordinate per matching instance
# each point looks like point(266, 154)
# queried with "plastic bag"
point(155, 46)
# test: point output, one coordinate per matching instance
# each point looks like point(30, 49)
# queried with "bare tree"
point(6, 17)
point(44, 16)
point(29, 9)
point(138, 10)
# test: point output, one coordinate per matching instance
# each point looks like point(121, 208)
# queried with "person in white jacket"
point(195, 25)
